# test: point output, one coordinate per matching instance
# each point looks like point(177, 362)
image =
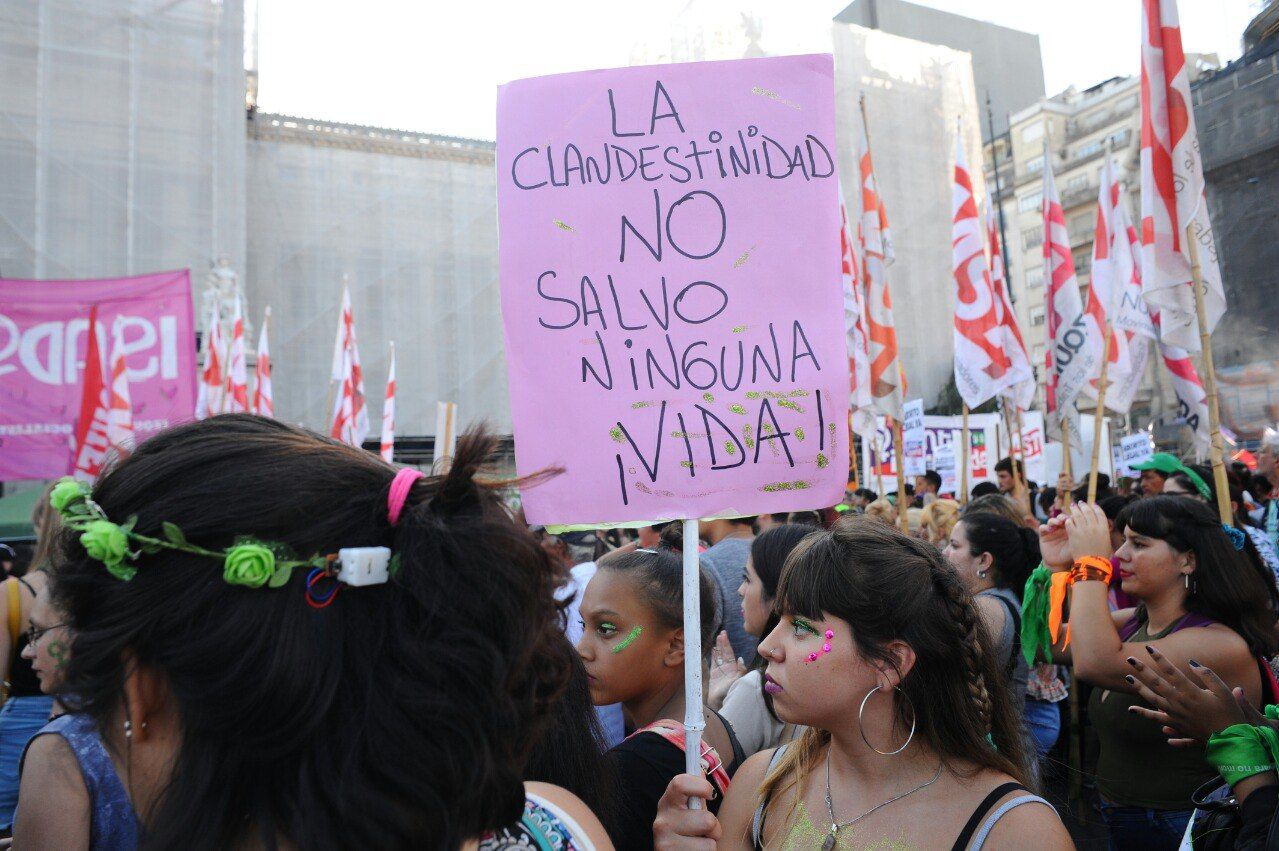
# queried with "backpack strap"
point(989, 824)
point(1014, 616)
point(982, 809)
point(761, 812)
point(673, 732)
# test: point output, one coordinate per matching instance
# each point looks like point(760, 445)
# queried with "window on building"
point(1087, 149)
point(1033, 133)
point(1079, 181)
point(1032, 238)
point(1080, 225)
point(1083, 260)
point(1036, 317)
point(1032, 201)
point(1034, 165)
point(1034, 276)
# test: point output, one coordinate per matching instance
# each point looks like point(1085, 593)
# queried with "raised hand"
point(1054, 543)
point(1089, 532)
point(725, 670)
point(1188, 707)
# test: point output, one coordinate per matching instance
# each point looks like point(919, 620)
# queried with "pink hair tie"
point(400, 487)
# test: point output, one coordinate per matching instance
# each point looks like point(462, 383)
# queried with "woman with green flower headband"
point(254, 686)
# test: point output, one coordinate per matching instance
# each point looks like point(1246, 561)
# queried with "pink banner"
point(670, 269)
point(43, 342)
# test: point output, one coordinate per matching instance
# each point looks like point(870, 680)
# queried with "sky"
point(433, 66)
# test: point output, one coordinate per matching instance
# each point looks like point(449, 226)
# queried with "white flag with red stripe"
point(887, 380)
point(982, 366)
point(1172, 185)
point(388, 413)
point(861, 402)
point(120, 408)
point(1072, 351)
point(343, 425)
point(237, 395)
point(263, 397)
point(212, 389)
point(89, 450)
point(1020, 393)
point(1111, 268)
point(346, 366)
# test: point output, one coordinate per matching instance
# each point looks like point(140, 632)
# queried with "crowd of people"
point(245, 635)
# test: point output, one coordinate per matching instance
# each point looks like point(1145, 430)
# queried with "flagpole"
point(1216, 450)
point(961, 458)
point(902, 520)
point(256, 398)
point(694, 714)
point(852, 451)
point(1021, 454)
point(328, 404)
point(1017, 455)
point(1098, 417)
point(874, 459)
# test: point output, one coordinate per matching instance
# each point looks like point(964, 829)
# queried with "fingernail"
point(1132, 661)
point(1150, 650)
point(1195, 664)
point(1129, 678)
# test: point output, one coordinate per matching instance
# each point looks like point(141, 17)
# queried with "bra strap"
point(984, 807)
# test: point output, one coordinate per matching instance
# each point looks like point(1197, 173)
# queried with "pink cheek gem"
point(812, 657)
point(825, 648)
point(829, 635)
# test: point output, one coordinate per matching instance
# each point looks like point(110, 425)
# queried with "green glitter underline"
point(629, 639)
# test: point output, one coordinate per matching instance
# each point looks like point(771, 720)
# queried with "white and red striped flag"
point(346, 367)
point(120, 408)
point(89, 451)
point(211, 390)
point(887, 380)
point(982, 366)
point(1172, 185)
point(861, 402)
point(1071, 355)
point(1021, 393)
point(236, 400)
point(388, 413)
point(263, 398)
point(1111, 270)
point(343, 427)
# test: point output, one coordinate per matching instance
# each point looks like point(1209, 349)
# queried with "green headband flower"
point(248, 562)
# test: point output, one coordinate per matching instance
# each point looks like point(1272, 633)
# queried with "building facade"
point(1007, 65)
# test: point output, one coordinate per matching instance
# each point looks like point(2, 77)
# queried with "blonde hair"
point(882, 509)
point(939, 519)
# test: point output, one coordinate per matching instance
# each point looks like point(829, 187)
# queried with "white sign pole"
point(694, 715)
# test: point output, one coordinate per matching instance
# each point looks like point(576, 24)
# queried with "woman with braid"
point(912, 742)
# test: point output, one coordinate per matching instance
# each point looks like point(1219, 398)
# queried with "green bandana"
point(1035, 636)
point(1242, 750)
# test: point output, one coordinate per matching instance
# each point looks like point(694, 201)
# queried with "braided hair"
point(890, 587)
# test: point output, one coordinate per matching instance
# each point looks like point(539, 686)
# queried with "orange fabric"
point(1057, 602)
point(1079, 571)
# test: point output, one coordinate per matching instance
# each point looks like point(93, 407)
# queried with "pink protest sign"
point(670, 269)
point(43, 342)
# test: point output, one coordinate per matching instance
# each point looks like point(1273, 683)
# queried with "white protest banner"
point(1134, 449)
point(944, 464)
point(1032, 446)
point(914, 438)
point(939, 431)
point(670, 265)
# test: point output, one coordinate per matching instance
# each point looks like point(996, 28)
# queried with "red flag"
point(91, 443)
point(211, 390)
point(237, 396)
point(263, 400)
point(861, 402)
point(887, 380)
point(388, 413)
point(347, 367)
point(1172, 185)
point(1020, 393)
point(120, 412)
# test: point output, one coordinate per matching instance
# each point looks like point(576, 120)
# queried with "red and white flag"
point(861, 402)
point(346, 367)
point(120, 409)
point(1172, 185)
point(263, 398)
point(887, 380)
point(211, 390)
point(982, 366)
point(1112, 267)
point(1072, 352)
point(236, 400)
point(388, 413)
point(343, 427)
point(1020, 393)
point(91, 443)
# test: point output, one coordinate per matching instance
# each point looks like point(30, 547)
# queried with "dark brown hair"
point(400, 716)
point(890, 587)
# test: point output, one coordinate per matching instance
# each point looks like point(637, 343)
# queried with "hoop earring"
point(862, 729)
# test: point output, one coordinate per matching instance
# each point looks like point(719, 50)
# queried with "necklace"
point(836, 826)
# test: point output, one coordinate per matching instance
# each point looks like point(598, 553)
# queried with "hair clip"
point(1237, 537)
point(320, 600)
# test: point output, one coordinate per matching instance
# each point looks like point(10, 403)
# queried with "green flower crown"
point(248, 561)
